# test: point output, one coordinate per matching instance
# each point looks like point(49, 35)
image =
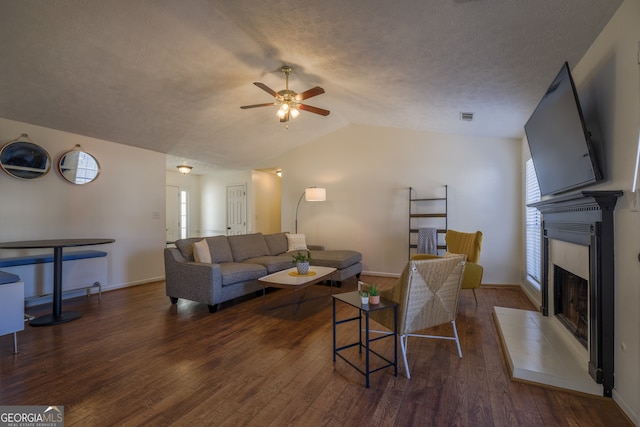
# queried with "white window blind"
point(533, 225)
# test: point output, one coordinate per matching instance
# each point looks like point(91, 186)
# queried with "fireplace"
point(584, 219)
point(571, 301)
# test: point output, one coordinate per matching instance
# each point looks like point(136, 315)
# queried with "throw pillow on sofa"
point(297, 242)
point(201, 252)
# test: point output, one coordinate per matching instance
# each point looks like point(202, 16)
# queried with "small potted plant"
point(302, 262)
point(374, 296)
point(364, 296)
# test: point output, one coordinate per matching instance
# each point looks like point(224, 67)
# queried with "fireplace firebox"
point(571, 299)
point(586, 218)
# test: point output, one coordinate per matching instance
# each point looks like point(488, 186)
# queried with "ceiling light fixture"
point(184, 169)
point(287, 100)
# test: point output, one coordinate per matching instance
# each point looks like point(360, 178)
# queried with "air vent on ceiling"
point(467, 117)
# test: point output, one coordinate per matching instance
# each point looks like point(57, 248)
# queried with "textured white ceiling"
point(170, 76)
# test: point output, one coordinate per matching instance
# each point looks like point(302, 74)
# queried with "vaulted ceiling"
point(170, 76)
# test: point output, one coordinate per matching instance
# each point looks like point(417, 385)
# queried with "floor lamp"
point(311, 194)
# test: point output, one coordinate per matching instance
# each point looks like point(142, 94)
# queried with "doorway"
point(172, 200)
point(236, 209)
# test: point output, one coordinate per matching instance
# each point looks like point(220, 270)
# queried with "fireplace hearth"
point(585, 218)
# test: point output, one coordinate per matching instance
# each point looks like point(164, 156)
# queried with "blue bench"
point(41, 259)
point(48, 258)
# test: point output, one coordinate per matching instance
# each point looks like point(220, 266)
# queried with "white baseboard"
point(626, 408)
point(533, 294)
point(113, 287)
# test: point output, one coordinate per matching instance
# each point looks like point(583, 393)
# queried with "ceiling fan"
point(288, 101)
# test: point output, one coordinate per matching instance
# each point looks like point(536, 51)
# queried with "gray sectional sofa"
point(237, 262)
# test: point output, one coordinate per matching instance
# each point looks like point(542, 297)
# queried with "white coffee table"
point(290, 279)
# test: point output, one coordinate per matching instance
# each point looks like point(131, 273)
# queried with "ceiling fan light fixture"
point(289, 102)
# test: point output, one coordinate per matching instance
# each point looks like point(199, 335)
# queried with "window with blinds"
point(533, 223)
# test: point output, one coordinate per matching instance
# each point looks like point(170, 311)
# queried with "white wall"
point(213, 186)
point(610, 72)
point(125, 203)
point(367, 172)
point(266, 194)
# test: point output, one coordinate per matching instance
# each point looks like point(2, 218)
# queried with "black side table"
point(353, 299)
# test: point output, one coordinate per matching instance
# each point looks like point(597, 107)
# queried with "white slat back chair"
point(427, 294)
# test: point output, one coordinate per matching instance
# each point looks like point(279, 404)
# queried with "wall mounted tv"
point(560, 144)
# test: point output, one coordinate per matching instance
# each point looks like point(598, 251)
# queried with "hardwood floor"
point(133, 359)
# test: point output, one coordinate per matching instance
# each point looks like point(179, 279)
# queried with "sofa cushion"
point(246, 246)
point(201, 252)
point(273, 263)
point(234, 272)
point(219, 249)
point(296, 242)
point(277, 243)
point(335, 258)
point(186, 247)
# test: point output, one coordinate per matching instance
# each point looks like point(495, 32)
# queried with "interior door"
point(173, 213)
point(236, 209)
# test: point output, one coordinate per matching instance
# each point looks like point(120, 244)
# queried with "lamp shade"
point(184, 169)
point(315, 194)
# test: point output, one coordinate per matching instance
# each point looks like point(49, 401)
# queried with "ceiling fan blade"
point(309, 93)
point(316, 110)
point(268, 104)
point(267, 89)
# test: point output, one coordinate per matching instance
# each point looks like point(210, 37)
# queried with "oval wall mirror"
point(23, 159)
point(78, 166)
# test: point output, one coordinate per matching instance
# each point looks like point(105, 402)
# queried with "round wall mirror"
point(24, 160)
point(78, 167)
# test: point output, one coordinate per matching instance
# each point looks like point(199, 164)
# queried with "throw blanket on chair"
point(428, 240)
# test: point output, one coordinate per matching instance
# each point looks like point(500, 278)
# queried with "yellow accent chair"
point(427, 296)
point(468, 244)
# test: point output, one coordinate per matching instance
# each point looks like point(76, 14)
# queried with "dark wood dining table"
point(57, 316)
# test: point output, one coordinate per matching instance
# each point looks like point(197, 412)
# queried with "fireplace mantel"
point(586, 218)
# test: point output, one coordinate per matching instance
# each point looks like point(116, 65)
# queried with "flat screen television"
point(559, 141)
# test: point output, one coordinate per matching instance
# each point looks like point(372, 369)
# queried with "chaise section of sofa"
point(237, 262)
